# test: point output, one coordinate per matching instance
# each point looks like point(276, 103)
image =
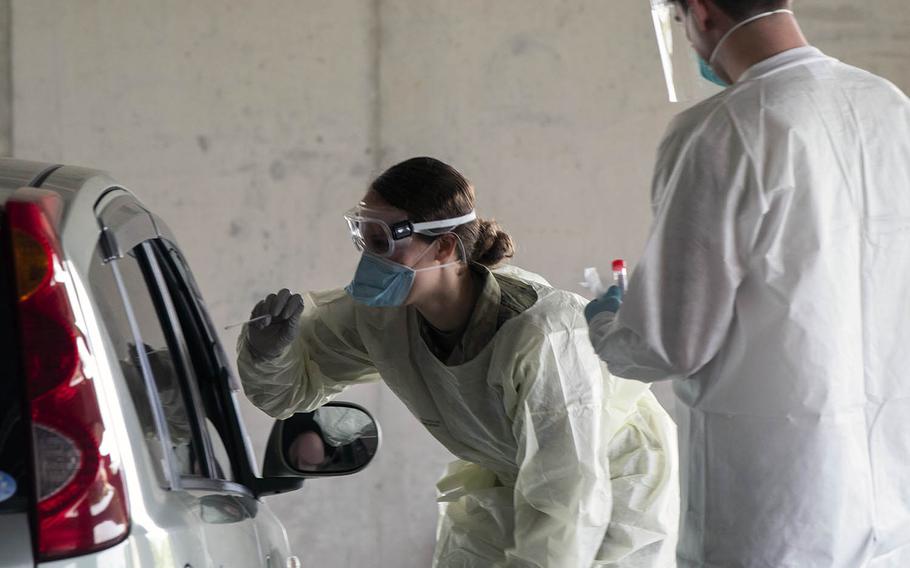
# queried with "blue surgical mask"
point(379, 282)
point(383, 283)
point(708, 73)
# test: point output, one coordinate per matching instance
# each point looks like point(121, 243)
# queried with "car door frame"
point(134, 226)
point(129, 224)
point(126, 227)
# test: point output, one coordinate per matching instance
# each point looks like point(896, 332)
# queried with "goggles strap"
point(444, 223)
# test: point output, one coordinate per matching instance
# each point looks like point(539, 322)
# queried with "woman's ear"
point(449, 249)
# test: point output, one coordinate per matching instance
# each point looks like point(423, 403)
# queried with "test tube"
point(620, 277)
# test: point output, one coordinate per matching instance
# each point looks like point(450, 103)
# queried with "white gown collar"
point(780, 61)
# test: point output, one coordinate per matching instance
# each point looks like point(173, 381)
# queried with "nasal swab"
point(239, 323)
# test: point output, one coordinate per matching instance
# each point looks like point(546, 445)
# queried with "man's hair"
point(742, 9)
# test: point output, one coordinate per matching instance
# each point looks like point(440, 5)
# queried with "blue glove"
point(609, 302)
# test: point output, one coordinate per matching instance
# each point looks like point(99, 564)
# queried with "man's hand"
point(611, 301)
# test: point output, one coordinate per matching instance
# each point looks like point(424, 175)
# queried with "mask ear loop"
point(747, 21)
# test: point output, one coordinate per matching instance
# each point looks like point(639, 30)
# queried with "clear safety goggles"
point(677, 57)
point(373, 233)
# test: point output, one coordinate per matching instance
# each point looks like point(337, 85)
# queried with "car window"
point(185, 451)
point(222, 459)
point(205, 356)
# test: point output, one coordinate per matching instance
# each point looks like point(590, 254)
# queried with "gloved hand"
point(268, 337)
point(609, 302)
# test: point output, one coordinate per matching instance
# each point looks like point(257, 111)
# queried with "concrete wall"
point(252, 126)
point(6, 98)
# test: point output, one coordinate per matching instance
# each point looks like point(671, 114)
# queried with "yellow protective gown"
point(561, 464)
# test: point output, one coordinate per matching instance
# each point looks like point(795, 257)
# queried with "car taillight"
point(81, 496)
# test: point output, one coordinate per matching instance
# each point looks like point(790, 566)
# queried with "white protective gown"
point(774, 289)
point(561, 464)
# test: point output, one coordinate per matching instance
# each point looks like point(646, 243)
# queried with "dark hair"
point(429, 190)
point(742, 9)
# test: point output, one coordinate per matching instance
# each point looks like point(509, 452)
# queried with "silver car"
point(121, 443)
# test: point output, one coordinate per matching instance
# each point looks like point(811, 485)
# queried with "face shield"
point(373, 231)
point(677, 57)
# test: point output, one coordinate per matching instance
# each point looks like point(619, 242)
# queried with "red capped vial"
point(620, 277)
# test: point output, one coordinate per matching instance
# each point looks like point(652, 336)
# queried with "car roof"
point(20, 173)
point(66, 181)
point(81, 191)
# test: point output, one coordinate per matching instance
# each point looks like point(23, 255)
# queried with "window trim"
point(173, 332)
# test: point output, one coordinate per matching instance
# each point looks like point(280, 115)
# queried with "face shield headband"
point(684, 71)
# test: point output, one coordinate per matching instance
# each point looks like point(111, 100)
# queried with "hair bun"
point(493, 245)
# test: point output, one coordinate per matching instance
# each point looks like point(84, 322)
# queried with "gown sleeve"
point(681, 298)
point(327, 357)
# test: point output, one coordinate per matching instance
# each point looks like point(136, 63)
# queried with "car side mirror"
point(339, 438)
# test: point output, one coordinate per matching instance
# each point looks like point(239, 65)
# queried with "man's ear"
point(707, 16)
point(701, 12)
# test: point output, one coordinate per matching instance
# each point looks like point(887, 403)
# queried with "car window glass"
point(220, 453)
point(161, 361)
